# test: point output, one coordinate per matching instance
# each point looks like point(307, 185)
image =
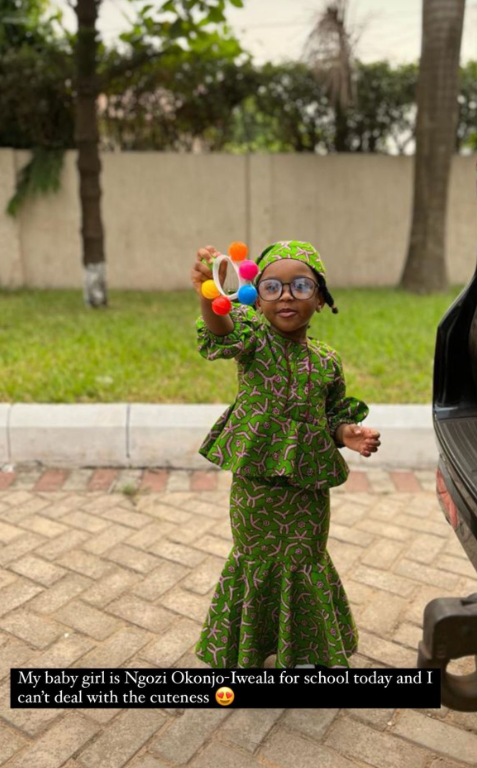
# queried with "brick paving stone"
point(405, 481)
point(87, 620)
point(116, 650)
point(214, 545)
point(29, 721)
point(223, 529)
point(224, 480)
point(385, 651)
point(51, 480)
point(179, 480)
point(102, 716)
point(136, 611)
point(179, 553)
point(457, 565)
point(127, 478)
point(377, 718)
point(423, 595)
point(34, 629)
point(359, 742)
point(358, 593)
point(383, 580)
point(142, 562)
point(127, 734)
point(6, 479)
point(97, 503)
point(380, 481)
point(344, 515)
point(8, 533)
point(59, 743)
point(382, 614)
point(155, 480)
point(154, 507)
point(466, 720)
point(288, 749)
point(19, 547)
point(203, 480)
point(196, 506)
point(313, 723)
point(426, 574)
point(65, 543)
point(408, 634)
point(386, 530)
point(146, 537)
point(437, 736)
point(65, 652)
point(186, 603)
point(77, 480)
point(205, 576)
point(344, 556)
point(14, 654)
point(6, 578)
point(102, 479)
point(172, 644)
point(424, 548)
point(112, 535)
point(157, 582)
point(128, 517)
point(10, 742)
point(147, 761)
point(357, 481)
point(435, 525)
point(86, 564)
point(383, 553)
point(427, 479)
point(60, 504)
point(186, 734)
point(15, 594)
point(36, 569)
point(85, 522)
point(109, 587)
point(43, 526)
point(190, 532)
point(350, 535)
point(227, 757)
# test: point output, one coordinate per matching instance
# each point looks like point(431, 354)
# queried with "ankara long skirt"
point(279, 592)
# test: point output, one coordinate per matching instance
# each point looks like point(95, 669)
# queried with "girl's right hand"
point(201, 272)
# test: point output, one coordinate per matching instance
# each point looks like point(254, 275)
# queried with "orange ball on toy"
point(238, 251)
point(222, 305)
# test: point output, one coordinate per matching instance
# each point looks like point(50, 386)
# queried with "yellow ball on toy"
point(210, 290)
point(238, 251)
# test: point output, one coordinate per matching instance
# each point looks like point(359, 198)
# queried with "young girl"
point(279, 592)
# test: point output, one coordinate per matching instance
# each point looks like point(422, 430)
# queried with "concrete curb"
point(143, 435)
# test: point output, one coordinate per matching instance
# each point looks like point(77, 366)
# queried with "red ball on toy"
point(222, 305)
point(238, 251)
point(248, 270)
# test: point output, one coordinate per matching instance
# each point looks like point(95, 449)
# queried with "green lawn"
point(143, 348)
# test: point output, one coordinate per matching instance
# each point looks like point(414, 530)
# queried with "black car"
point(450, 624)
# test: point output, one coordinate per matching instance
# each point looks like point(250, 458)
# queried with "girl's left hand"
point(364, 440)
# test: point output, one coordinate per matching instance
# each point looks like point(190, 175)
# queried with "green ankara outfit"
point(279, 592)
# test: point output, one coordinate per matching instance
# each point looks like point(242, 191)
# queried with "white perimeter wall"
point(158, 208)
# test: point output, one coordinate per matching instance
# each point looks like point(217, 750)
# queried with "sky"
point(276, 30)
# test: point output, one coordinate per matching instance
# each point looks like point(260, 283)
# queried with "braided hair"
point(325, 292)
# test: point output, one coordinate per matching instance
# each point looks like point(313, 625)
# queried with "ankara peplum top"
point(291, 400)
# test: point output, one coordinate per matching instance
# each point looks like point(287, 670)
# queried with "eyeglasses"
point(300, 288)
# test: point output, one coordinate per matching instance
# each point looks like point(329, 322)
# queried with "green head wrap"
point(300, 251)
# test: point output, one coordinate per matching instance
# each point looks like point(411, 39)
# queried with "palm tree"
point(330, 50)
point(437, 92)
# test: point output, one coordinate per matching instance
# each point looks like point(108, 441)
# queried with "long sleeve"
point(241, 343)
point(339, 408)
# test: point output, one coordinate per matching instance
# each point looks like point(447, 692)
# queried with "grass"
point(143, 348)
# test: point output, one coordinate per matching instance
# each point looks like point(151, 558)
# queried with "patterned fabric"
point(290, 249)
point(291, 400)
point(279, 592)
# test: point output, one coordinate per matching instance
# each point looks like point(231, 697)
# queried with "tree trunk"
point(89, 164)
point(442, 21)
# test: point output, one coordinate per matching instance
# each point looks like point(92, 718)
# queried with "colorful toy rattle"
point(246, 271)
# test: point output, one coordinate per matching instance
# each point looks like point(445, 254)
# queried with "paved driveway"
point(106, 568)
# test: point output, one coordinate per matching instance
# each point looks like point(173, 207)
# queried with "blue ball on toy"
point(247, 294)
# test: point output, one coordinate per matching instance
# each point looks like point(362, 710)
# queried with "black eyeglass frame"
point(300, 298)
